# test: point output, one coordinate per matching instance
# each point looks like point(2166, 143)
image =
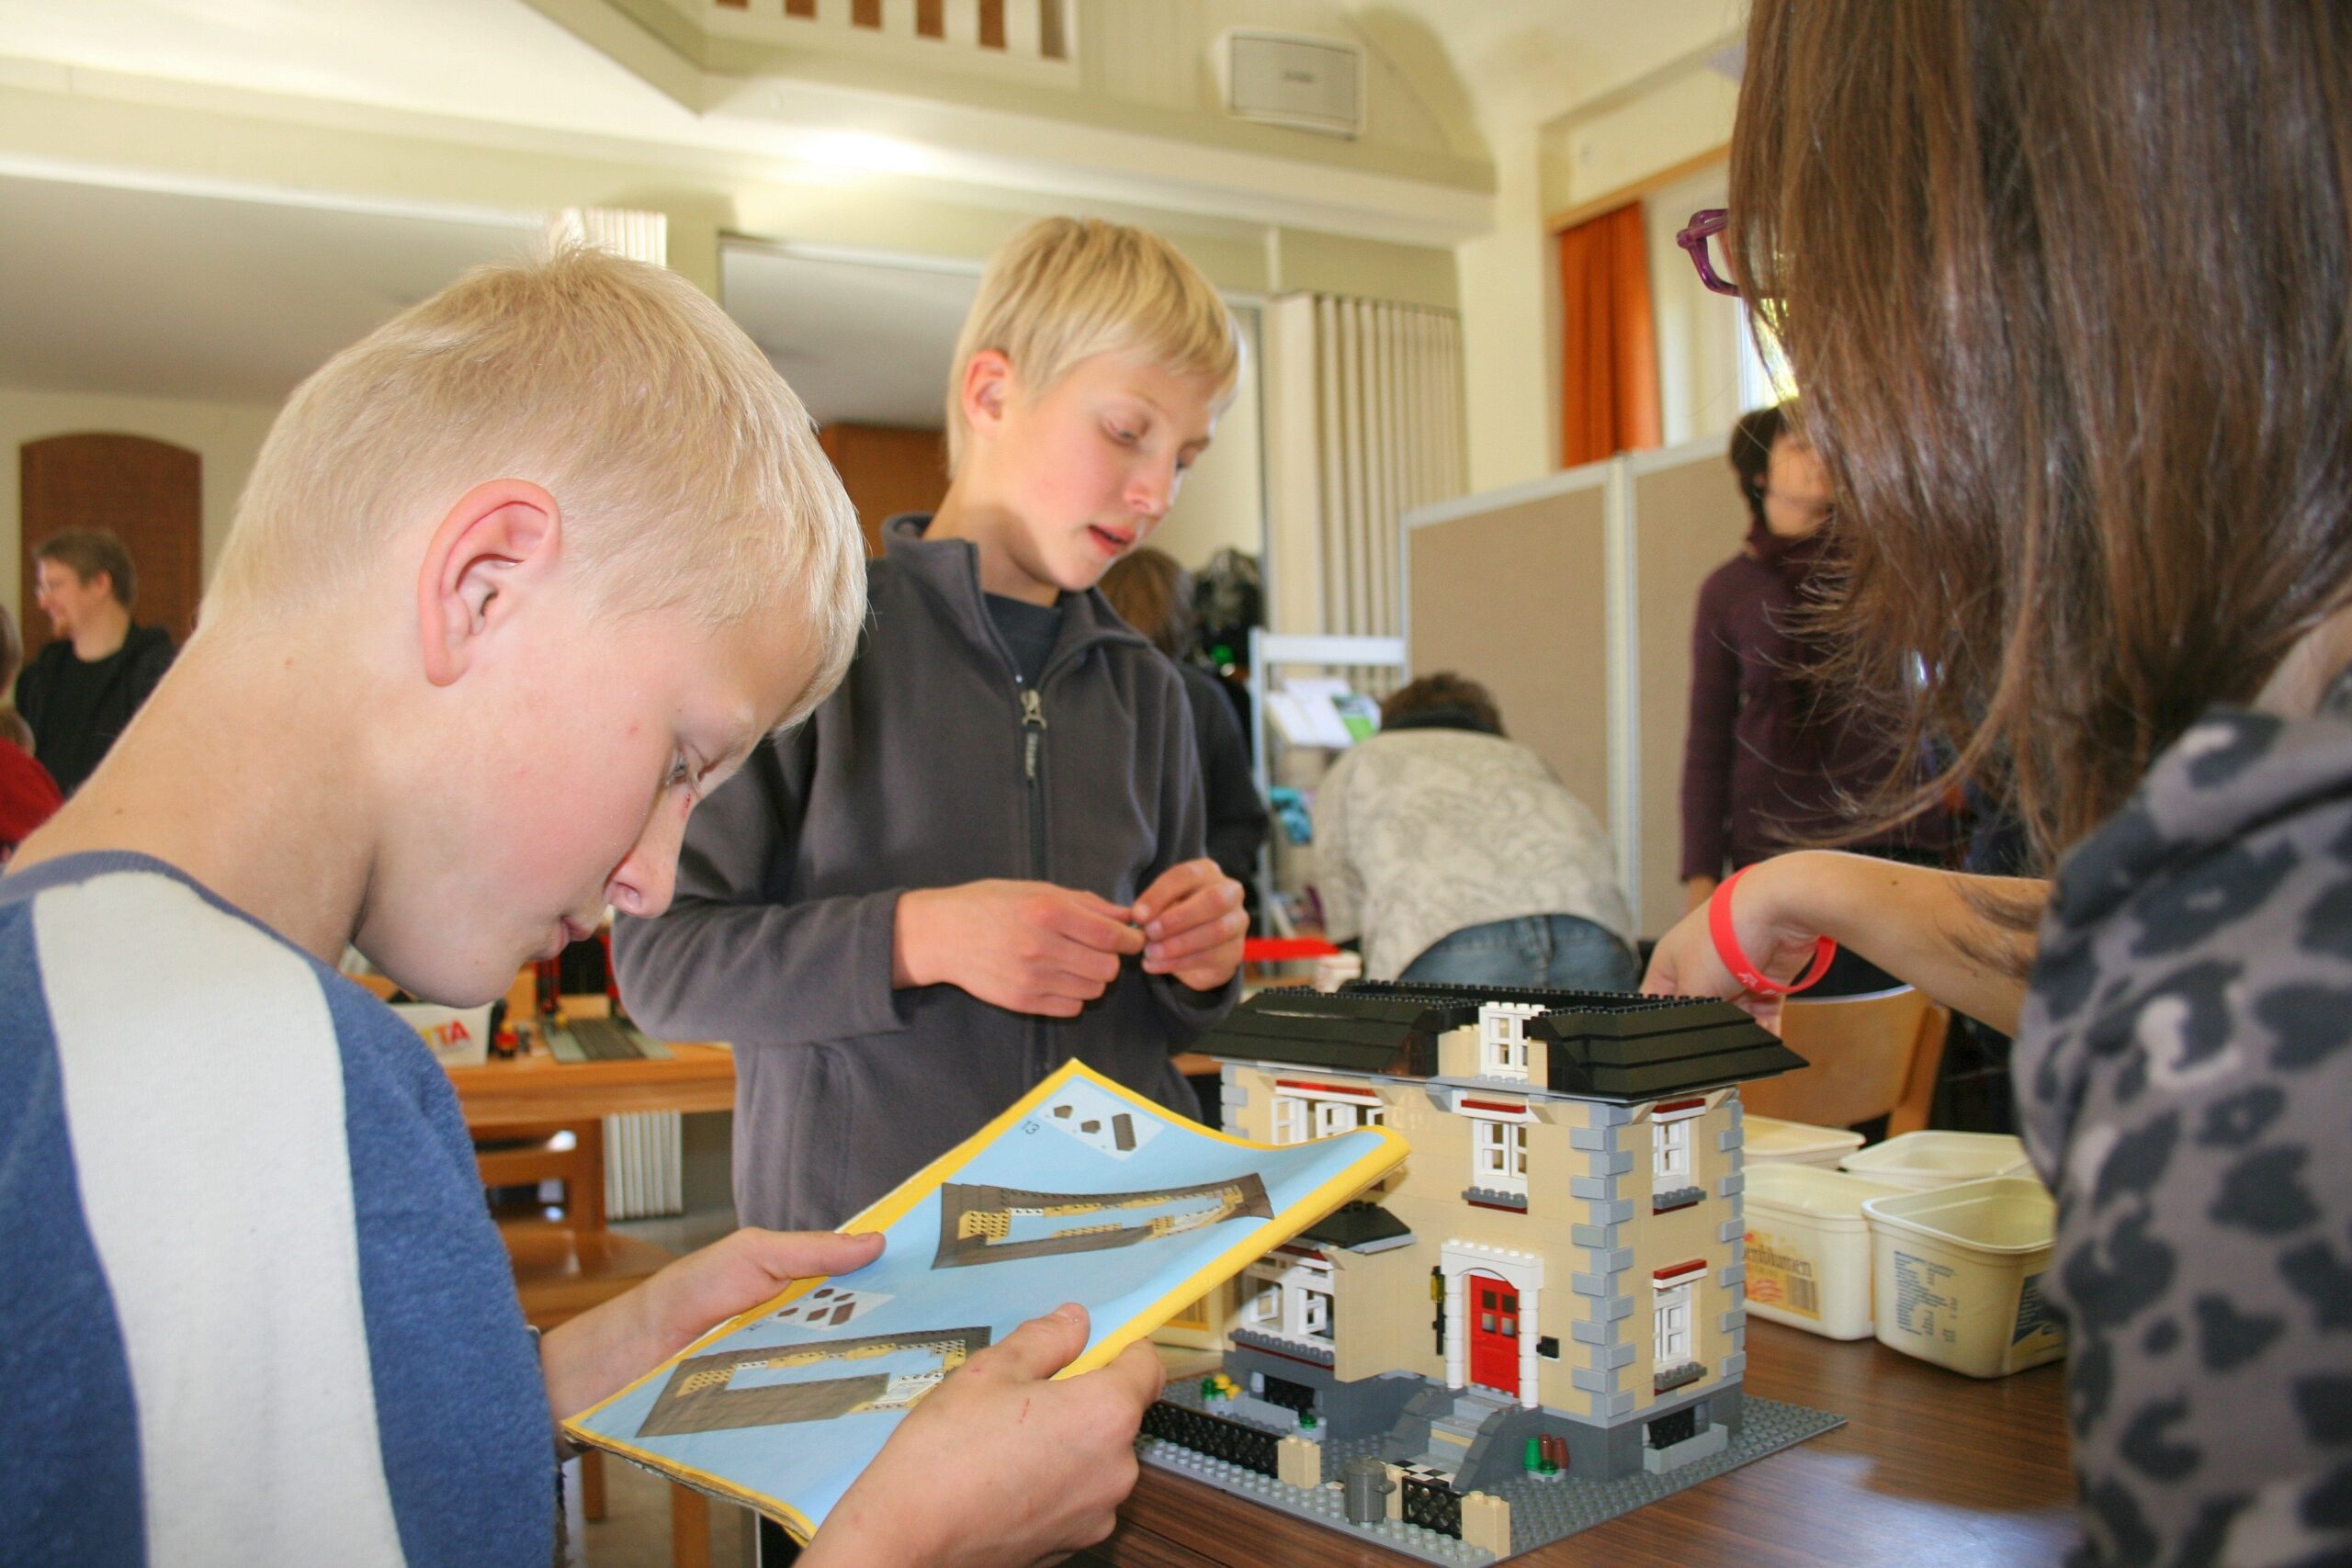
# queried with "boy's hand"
point(1193, 922)
point(603, 1350)
point(1000, 1465)
point(1027, 946)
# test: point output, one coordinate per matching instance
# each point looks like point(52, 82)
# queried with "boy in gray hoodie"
point(983, 855)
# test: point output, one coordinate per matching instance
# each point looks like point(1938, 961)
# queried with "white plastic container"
point(1766, 1140)
point(459, 1036)
point(1956, 1275)
point(1924, 1160)
point(1809, 1248)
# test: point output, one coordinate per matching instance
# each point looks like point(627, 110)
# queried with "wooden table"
point(1931, 1469)
point(534, 1089)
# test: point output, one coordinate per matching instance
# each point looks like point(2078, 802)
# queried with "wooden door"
point(149, 492)
point(1494, 1333)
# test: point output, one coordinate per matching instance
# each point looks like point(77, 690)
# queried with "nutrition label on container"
point(1922, 1302)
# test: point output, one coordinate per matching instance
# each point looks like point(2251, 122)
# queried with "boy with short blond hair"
point(983, 855)
point(517, 580)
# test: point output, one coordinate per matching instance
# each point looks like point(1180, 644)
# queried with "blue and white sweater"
point(251, 1310)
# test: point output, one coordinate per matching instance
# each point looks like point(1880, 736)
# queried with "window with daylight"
point(1500, 1162)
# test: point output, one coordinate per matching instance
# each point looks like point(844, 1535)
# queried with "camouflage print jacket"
point(2185, 1075)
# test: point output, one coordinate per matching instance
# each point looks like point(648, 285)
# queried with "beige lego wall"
point(1381, 1307)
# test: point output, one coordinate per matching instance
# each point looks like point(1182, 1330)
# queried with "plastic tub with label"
point(1956, 1275)
point(1766, 1140)
point(1922, 1160)
point(1809, 1248)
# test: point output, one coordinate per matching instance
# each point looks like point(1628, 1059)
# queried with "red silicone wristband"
point(1743, 969)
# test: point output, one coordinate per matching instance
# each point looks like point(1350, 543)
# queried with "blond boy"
point(983, 855)
point(515, 581)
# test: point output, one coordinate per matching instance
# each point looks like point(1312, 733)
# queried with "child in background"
point(982, 856)
point(515, 581)
point(1154, 594)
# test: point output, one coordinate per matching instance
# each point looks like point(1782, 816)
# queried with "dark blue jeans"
point(1563, 951)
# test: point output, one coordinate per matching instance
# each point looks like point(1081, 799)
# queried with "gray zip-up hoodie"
point(931, 767)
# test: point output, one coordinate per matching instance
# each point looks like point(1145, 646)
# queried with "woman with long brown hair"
point(2067, 289)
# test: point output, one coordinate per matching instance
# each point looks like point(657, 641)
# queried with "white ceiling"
point(143, 292)
point(860, 342)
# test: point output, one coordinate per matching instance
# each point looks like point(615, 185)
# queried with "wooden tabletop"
point(1931, 1469)
point(534, 1089)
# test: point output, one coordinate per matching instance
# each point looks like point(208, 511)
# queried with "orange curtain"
point(1607, 351)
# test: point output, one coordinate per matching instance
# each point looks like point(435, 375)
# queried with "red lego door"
point(1494, 1333)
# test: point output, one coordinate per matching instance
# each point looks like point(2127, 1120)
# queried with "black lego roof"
point(1601, 1044)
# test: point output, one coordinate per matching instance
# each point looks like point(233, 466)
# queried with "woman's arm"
point(1968, 941)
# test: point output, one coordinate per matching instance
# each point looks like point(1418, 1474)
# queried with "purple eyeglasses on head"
point(1703, 227)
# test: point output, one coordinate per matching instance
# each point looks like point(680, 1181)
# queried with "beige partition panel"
point(1517, 597)
point(1687, 521)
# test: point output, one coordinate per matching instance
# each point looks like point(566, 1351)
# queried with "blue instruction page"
point(1081, 1191)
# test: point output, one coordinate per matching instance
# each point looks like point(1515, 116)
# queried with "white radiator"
point(644, 1168)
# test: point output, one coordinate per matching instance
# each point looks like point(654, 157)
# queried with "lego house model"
point(1537, 1321)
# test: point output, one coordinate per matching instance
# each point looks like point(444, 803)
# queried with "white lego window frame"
point(1502, 1039)
point(1670, 1326)
point(1671, 1152)
point(1499, 1154)
point(1290, 1118)
point(1333, 1117)
point(1291, 1298)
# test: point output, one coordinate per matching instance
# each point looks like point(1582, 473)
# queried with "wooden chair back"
point(1868, 1056)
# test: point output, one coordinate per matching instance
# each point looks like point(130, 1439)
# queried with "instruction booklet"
point(1083, 1191)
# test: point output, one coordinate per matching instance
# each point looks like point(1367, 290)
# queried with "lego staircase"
point(1456, 1430)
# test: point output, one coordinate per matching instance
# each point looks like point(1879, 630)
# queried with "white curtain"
point(1363, 422)
point(644, 1169)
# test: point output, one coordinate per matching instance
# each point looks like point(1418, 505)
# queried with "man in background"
point(79, 693)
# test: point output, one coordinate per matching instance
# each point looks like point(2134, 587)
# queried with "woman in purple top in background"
point(1768, 765)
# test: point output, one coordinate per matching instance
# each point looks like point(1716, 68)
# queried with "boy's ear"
point(988, 389)
point(499, 542)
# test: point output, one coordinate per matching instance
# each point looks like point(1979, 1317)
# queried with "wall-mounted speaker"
point(1310, 84)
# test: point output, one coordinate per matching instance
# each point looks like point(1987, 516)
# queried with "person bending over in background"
point(1457, 856)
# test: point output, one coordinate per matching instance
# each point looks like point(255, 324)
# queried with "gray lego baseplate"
point(1543, 1508)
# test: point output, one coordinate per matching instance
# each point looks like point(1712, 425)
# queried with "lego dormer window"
point(1670, 1153)
point(1499, 1155)
point(1502, 1039)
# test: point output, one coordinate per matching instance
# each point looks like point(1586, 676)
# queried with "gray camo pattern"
point(2184, 1070)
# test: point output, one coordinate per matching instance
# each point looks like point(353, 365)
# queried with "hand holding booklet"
point(1083, 1191)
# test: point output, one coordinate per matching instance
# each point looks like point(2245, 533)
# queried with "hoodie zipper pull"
point(1033, 721)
